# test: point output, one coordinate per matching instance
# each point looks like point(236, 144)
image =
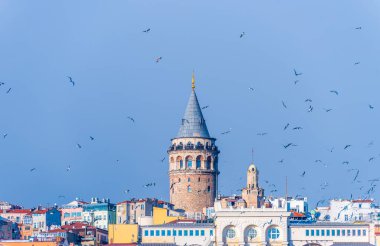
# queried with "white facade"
point(329, 233)
point(349, 211)
point(251, 226)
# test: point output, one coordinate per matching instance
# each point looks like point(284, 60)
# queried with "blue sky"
point(102, 46)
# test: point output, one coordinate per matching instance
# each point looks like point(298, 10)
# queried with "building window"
point(307, 233)
point(191, 233)
point(231, 233)
point(188, 179)
point(151, 233)
point(181, 164)
point(198, 164)
point(174, 233)
point(199, 179)
point(163, 233)
point(333, 233)
point(317, 233)
point(146, 233)
point(157, 233)
point(208, 164)
point(359, 232)
point(203, 232)
point(364, 232)
point(212, 233)
point(274, 233)
point(180, 233)
point(196, 232)
point(208, 189)
point(346, 217)
point(353, 233)
point(343, 233)
point(179, 179)
point(185, 233)
point(252, 233)
point(169, 233)
point(312, 233)
point(338, 233)
point(348, 233)
point(328, 233)
point(189, 188)
point(360, 205)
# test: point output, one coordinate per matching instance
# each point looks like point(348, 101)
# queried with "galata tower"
point(193, 162)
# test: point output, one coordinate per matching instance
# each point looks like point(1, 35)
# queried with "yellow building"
point(163, 216)
point(26, 243)
point(123, 233)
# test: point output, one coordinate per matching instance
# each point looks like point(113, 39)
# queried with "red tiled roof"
point(57, 230)
point(362, 201)
point(18, 211)
point(44, 211)
point(296, 214)
point(76, 225)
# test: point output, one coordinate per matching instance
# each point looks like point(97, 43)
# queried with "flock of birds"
point(287, 126)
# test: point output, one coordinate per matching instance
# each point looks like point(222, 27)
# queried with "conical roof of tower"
point(193, 123)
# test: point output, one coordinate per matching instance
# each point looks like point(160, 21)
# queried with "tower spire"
point(193, 81)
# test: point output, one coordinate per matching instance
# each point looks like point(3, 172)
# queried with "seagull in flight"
point(328, 109)
point(288, 145)
point(251, 88)
point(126, 191)
point(303, 174)
point(334, 91)
point(2, 83)
point(310, 109)
point(296, 74)
point(345, 162)
point(9, 90)
point(71, 80)
point(79, 146)
point(356, 63)
point(92, 138)
point(286, 126)
point(371, 159)
point(129, 117)
point(68, 168)
point(347, 146)
point(262, 133)
point(242, 34)
point(281, 161)
point(226, 132)
point(204, 107)
point(147, 30)
point(370, 106)
point(5, 135)
point(297, 128)
point(162, 160)
point(358, 28)
point(283, 104)
point(33, 169)
point(158, 59)
point(308, 100)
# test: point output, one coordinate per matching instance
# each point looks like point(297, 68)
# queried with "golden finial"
point(193, 81)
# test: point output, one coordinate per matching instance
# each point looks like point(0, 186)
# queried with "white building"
point(349, 211)
point(330, 233)
point(99, 213)
point(251, 226)
point(299, 205)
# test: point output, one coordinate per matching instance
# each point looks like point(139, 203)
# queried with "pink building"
point(72, 212)
point(15, 215)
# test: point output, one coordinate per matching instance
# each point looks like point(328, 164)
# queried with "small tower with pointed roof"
point(193, 161)
point(252, 194)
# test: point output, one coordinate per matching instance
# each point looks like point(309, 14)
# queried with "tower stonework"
point(193, 162)
point(252, 194)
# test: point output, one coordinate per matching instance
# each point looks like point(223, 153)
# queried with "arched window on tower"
point(189, 162)
point(208, 189)
point(198, 162)
point(208, 163)
point(189, 188)
point(179, 162)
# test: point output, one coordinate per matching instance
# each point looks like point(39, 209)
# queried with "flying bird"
point(262, 133)
point(9, 90)
point(158, 59)
point(283, 104)
point(345, 162)
point(335, 92)
point(132, 119)
point(288, 145)
point(251, 88)
point(147, 30)
point(5, 135)
point(296, 74)
point(68, 168)
point(286, 126)
point(242, 34)
point(126, 191)
point(310, 109)
point(92, 138)
point(33, 169)
point(328, 109)
point(281, 161)
point(370, 106)
point(79, 146)
point(226, 132)
point(308, 100)
point(205, 107)
point(356, 63)
point(347, 146)
point(71, 80)
point(358, 28)
point(371, 159)
point(2, 83)
point(303, 174)
point(296, 81)
point(162, 160)
point(297, 128)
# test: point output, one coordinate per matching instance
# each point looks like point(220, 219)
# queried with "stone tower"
point(193, 162)
point(252, 194)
